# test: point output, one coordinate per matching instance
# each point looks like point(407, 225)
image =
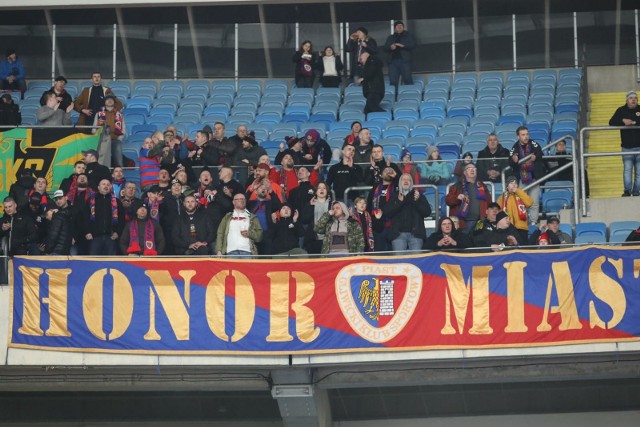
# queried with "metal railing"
point(584, 155)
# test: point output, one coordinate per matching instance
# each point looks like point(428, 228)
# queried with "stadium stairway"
point(605, 173)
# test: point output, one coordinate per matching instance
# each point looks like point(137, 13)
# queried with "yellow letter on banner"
point(171, 301)
point(515, 296)
point(93, 304)
point(279, 307)
point(57, 301)
point(458, 297)
point(608, 291)
point(561, 275)
point(215, 306)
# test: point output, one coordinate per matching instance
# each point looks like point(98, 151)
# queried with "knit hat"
point(511, 179)
point(493, 205)
point(404, 153)
point(291, 141)
point(175, 181)
point(11, 51)
point(467, 154)
point(629, 94)
point(431, 149)
point(363, 29)
point(501, 215)
point(35, 198)
point(313, 134)
point(355, 122)
point(263, 166)
point(110, 96)
point(250, 138)
point(543, 236)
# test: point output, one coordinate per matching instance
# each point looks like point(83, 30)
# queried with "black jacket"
point(341, 177)
point(355, 49)
point(539, 168)
point(407, 211)
point(320, 149)
point(102, 224)
point(182, 236)
point(630, 138)
point(373, 82)
point(404, 53)
point(96, 173)
point(158, 236)
point(499, 236)
point(19, 191)
point(22, 233)
point(461, 239)
point(285, 235)
point(492, 161)
point(59, 233)
point(9, 114)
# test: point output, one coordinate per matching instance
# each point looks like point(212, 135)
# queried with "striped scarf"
point(114, 208)
point(377, 193)
point(149, 239)
point(526, 168)
point(465, 207)
point(368, 228)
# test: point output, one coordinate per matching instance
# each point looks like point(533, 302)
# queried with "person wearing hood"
point(435, 170)
point(342, 234)
point(447, 237)
point(19, 190)
point(142, 235)
point(315, 148)
point(407, 211)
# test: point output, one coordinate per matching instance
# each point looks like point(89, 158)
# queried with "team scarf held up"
point(522, 209)
point(114, 208)
point(376, 199)
point(44, 201)
point(118, 120)
point(149, 238)
point(369, 228)
point(526, 168)
point(465, 206)
point(72, 195)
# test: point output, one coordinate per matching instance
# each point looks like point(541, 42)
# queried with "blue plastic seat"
point(620, 230)
point(198, 86)
point(591, 232)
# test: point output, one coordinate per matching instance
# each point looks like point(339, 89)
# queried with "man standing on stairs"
point(629, 115)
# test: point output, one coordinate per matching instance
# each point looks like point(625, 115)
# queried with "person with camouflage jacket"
point(342, 234)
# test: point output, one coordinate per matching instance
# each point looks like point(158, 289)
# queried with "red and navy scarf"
point(149, 239)
point(377, 193)
point(114, 208)
point(44, 201)
point(368, 228)
point(526, 168)
point(522, 209)
point(465, 207)
point(73, 193)
point(118, 121)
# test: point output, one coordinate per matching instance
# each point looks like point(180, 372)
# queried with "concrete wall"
point(612, 78)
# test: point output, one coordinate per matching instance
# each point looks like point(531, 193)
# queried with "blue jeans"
point(240, 254)
point(397, 68)
point(631, 168)
point(102, 245)
point(406, 241)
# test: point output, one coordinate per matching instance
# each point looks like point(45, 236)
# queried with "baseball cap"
point(58, 193)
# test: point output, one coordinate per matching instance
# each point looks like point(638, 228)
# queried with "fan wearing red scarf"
point(142, 235)
point(103, 218)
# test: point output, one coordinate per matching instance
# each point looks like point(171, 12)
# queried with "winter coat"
point(59, 233)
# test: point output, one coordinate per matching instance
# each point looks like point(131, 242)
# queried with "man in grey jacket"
point(51, 115)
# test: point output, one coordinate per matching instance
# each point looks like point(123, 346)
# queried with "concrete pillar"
point(301, 403)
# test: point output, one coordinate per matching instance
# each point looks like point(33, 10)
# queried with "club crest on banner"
point(378, 300)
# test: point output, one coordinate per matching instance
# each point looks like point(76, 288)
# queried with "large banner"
point(215, 306)
point(51, 153)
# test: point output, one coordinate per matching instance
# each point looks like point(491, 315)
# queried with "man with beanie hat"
point(468, 198)
point(12, 72)
point(399, 46)
point(505, 234)
point(358, 43)
point(629, 115)
point(515, 203)
point(63, 96)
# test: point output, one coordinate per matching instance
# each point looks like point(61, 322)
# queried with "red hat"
point(263, 166)
point(543, 236)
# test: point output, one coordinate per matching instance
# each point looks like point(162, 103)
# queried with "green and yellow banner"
point(50, 153)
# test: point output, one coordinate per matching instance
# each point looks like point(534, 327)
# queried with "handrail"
point(574, 161)
point(581, 141)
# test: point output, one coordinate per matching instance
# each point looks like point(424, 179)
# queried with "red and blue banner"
point(222, 306)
